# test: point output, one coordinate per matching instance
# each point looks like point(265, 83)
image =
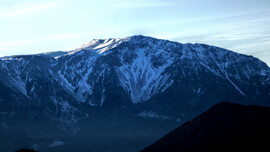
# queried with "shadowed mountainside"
point(224, 127)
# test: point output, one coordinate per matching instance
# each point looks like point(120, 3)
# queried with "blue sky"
point(34, 26)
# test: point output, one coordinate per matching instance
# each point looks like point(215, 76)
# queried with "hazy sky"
point(33, 26)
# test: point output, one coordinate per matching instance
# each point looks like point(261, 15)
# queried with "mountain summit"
point(136, 76)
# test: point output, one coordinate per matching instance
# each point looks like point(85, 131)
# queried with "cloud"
point(245, 29)
point(135, 4)
point(248, 34)
point(54, 37)
point(36, 45)
point(27, 8)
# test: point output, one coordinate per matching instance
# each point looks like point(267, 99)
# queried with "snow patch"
point(67, 75)
point(20, 85)
point(141, 79)
point(150, 114)
point(199, 90)
point(102, 97)
point(100, 46)
point(35, 147)
point(32, 89)
point(56, 143)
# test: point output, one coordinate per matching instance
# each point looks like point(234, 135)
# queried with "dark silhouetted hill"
point(26, 150)
point(224, 127)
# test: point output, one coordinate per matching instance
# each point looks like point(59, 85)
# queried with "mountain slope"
point(224, 127)
point(134, 70)
point(137, 78)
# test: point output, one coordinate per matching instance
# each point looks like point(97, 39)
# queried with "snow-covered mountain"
point(137, 74)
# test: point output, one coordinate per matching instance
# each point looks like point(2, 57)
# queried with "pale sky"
point(35, 26)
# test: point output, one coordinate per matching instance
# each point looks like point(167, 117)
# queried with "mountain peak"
point(97, 44)
point(100, 46)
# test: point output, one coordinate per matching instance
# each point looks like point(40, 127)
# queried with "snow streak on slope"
point(220, 62)
point(15, 77)
point(141, 79)
point(74, 78)
point(236, 87)
point(20, 85)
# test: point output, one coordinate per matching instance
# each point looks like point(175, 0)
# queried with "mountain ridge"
point(137, 77)
point(142, 71)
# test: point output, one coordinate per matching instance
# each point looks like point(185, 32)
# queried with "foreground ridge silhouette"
point(26, 150)
point(224, 127)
